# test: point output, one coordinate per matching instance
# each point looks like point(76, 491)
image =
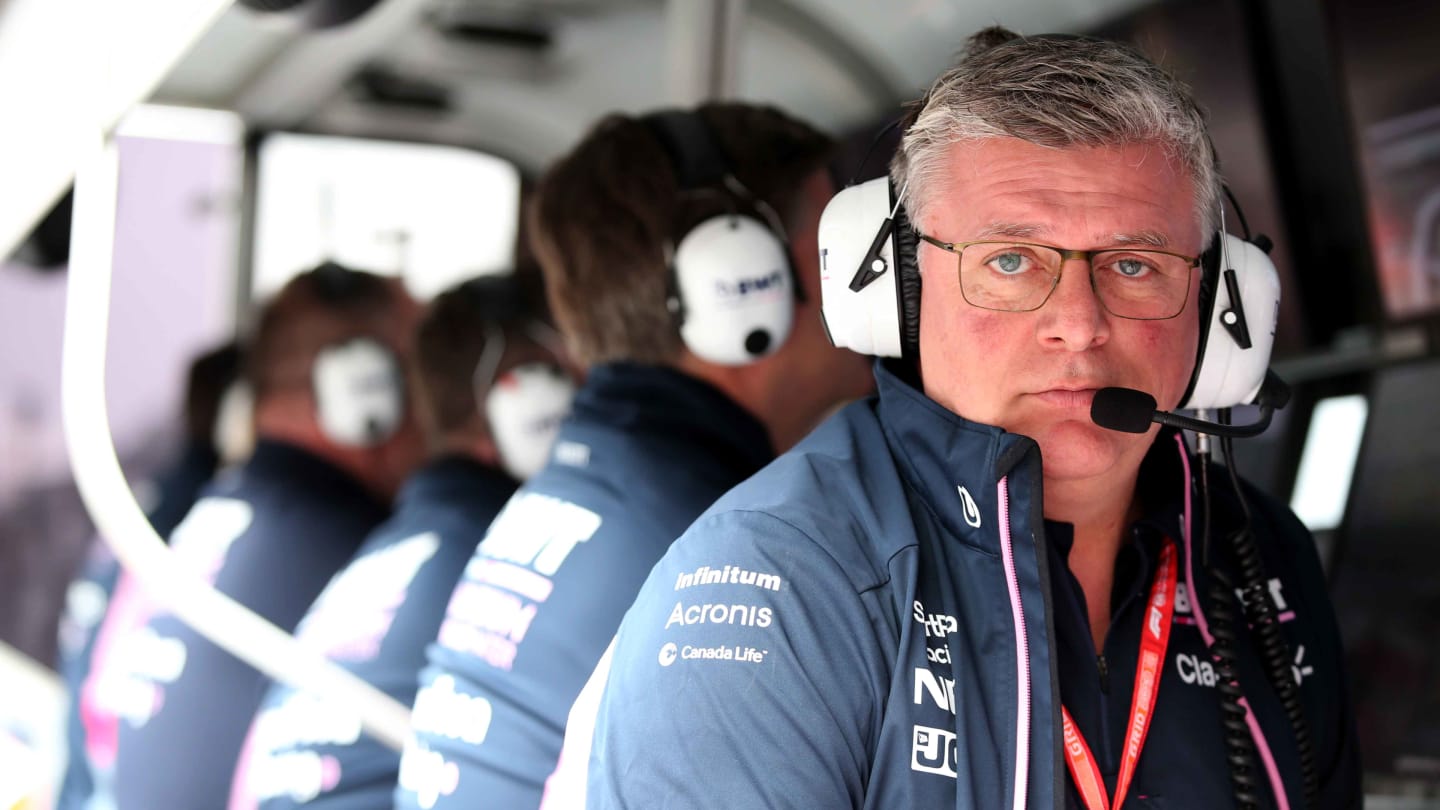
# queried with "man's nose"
point(1073, 318)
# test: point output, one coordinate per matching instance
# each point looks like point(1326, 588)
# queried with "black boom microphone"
point(1131, 411)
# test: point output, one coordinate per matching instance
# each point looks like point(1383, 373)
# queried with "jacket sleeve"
point(1339, 769)
point(1332, 727)
point(1330, 710)
point(748, 673)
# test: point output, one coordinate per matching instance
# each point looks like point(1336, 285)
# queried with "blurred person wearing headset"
point(212, 386)
point(492, 388)
point(335, 435)
point(1000, 583)
point(679, 257)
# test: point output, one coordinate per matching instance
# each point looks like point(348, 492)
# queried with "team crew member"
point(663, 244)
point(210, 379)
point(966, 592)
point(491, 393)
point(334, 440)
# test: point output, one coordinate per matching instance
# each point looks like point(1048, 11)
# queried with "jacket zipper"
point(1022, 651)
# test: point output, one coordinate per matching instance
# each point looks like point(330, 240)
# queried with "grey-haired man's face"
point(1035, 372)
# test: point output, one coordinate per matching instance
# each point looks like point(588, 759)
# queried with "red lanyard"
point(1153, 639)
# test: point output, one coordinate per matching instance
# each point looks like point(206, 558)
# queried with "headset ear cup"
point(524, 409)
point(1209, 278)
point(859, 285)
point(359, 393)
point(1210, 273)
point(1239, 328)
point(734, 282)
point(907, 278)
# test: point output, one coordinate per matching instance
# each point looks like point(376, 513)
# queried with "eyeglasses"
point(1142, 285)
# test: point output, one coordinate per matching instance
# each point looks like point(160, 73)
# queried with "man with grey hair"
point(966, 592)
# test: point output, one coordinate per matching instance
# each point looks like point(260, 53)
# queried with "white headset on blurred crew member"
point(732, 287)
point(525, 405)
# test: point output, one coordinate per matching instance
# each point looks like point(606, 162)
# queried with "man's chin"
point(1081, 449)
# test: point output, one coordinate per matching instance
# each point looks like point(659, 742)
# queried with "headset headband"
point(700, 164)
point(487, 367)
point(694, 153)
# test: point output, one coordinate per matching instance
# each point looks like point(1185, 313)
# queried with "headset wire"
point(1275, 652)
point(1240, 753)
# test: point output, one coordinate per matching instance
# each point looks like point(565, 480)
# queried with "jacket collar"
point(662, 403)
point(452, 478)
point(953, 463)
point(288, 466)
point(941, 452)
point(1161, 486)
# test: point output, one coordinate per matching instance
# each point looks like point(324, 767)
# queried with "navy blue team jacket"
point(90, 594)
point(375, 618)
point(882, 618)
point(644, 452)
point(269, 535)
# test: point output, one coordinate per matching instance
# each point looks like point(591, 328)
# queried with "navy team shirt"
point(644, 452)
point(269, 535)
point(375, 618)
point(882, 618)
point(89, 595)
point(1187, 738)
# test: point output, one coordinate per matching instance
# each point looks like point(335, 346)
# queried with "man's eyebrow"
point(1014, 230)
point(1026, 230)
point(1146, 238)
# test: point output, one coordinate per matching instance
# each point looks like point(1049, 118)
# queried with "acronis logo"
point(745, 286)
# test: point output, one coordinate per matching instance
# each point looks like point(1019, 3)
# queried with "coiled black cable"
point(1239, 747)
point(1223, 612)
point(1275, 652)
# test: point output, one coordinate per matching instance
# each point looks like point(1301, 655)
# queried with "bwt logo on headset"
point(745, 286)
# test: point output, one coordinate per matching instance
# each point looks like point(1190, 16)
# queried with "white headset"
point(1239, 307)
point(524, 406)
point(870, 295)
point(359, 392)
point(732, 284)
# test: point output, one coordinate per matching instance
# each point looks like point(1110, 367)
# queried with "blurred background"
point(401, 136)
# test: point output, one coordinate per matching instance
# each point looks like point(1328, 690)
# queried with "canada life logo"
point(668, 654)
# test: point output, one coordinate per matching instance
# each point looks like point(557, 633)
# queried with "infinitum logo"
point(729, 575)
point(668, 654)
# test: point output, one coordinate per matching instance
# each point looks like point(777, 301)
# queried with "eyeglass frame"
point(1066, 254)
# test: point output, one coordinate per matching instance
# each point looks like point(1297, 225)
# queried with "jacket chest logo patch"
point(934, 750)
point(967, 505)
point(1300, 668)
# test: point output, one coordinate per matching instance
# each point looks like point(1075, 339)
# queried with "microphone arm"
point(1131, 411)
point(1175, 420)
